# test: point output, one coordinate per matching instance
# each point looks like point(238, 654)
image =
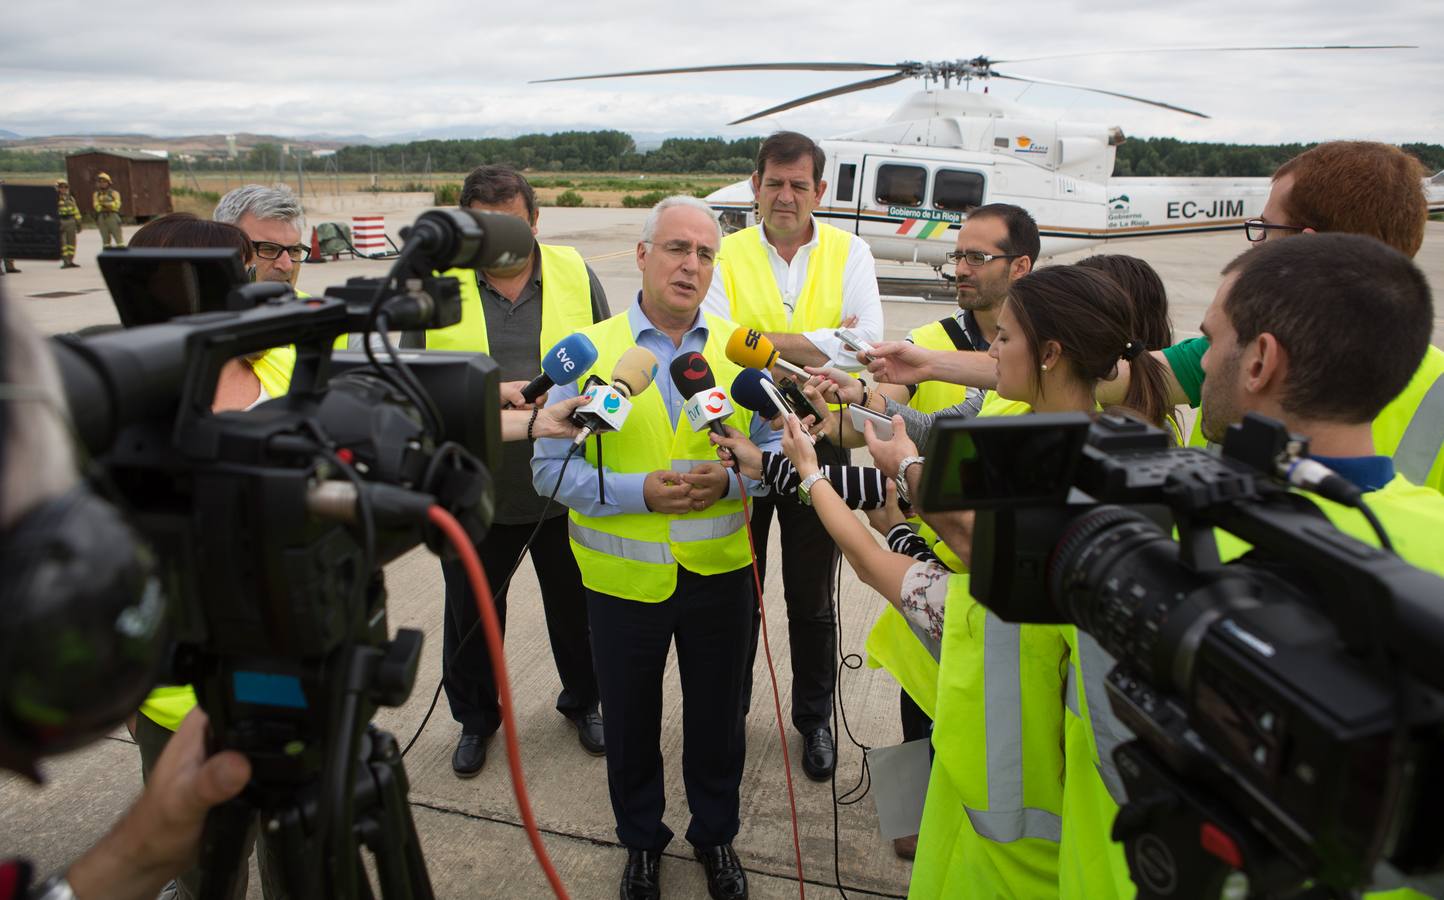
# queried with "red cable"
point(491, 628)
point(776, 698)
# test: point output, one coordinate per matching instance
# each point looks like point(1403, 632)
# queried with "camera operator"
point(160, 834)
point(1275, 343)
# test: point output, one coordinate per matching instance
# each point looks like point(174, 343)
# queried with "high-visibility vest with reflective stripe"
point(893, 643)
point(635, 555)
point(1411, 427)
point(999, 747)
point(167, 705)
point(1091, 864)
point(566, 304)
point(754, 297)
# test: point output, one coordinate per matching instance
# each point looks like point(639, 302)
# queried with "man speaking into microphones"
point(659, 532)
point(525, 317)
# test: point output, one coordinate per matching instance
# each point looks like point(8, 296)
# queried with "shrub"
point(569, 198)
point(643, 201)
point(446, 195)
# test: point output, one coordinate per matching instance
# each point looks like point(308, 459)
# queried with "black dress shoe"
point(589, 733)
point(726, 879)
point(641, 877)
point(819, 756)
point(470, 755)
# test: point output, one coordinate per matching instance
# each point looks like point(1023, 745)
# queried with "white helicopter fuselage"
point(906, 186)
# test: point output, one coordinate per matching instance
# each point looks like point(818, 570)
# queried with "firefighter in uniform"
point(107, 211)
point(69, 212)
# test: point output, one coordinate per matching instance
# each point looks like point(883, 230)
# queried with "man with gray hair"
point(660, 537)
point(271, 217)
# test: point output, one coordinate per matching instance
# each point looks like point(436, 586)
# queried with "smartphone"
point(800, 404)
point(853, 341)
point(881, 424)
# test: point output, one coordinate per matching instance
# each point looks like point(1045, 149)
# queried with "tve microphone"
point(707, 404)
point(752, 350)
point(607, 407)
point(562, 364)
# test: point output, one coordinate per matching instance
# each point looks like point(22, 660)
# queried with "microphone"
point(752, 350)
point(748, 390)
point(562, 364)
point(707, 404)
point(607, 407)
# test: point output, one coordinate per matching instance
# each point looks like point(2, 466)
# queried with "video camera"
point(271, 526)
point(1287, 704)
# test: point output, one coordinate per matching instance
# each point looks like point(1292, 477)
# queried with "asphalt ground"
point(470, 831)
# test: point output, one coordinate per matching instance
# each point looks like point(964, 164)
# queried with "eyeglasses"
point(977, 258)
point(680, 250)
point(270, 250)
point(1257, 229)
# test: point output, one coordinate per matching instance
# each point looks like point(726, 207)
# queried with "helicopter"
point(907, 184)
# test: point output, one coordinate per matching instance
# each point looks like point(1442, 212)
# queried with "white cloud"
point(381, 68)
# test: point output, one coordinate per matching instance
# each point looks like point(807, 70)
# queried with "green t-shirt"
point(1186, 360)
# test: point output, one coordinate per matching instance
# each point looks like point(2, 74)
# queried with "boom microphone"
point(606, 408)
point(562, 364)
point(707, 404)
point(751, 349)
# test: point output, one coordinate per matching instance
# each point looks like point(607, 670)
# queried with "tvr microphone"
point(607, 406)
point(707, 404)
point(562, 364)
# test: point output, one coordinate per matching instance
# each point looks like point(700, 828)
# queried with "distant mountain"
point(8, 135)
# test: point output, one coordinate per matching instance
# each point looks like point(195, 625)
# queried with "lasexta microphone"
point(562, 364)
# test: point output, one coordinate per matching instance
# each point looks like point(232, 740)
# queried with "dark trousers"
point(470, 685)
point(709, 617)
point(809, 558)
point(915, 723)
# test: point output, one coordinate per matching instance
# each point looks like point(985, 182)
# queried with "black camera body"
point(1287, 704)
point(271, 525)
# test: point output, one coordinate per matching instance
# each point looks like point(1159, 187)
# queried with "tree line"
point(615, 151)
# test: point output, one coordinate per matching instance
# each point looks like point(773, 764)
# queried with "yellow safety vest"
point(636, 555)
point(932, 396)
point(754, 298)
point(992, 818)
point(106, 201)
point(167, 705)
point(1091, 864)
point(566, 304)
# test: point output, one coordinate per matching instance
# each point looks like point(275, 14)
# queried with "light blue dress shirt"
point(578, 488)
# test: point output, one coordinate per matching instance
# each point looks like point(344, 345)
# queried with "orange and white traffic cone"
point(315, 255)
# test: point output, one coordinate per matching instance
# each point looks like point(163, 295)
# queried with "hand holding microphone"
point(752, 350)
point(562, 364)
point(754, 389)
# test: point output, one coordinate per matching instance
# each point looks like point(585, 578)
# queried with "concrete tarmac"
point(470, 830)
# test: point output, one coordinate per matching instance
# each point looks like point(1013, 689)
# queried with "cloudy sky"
point(190, 66)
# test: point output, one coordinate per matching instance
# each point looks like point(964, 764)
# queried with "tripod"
point(357, 797)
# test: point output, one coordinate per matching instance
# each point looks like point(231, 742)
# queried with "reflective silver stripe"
point(934, 647)
point(1006, 818)
point(683, 530)
point(1424, 437)
point(1108, 731)
point(620, 547)
point(1010, 825)
point(683, 466)
point(1071, 693)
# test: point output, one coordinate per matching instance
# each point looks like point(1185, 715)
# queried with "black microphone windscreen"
point(747, 391)
point(690, 373)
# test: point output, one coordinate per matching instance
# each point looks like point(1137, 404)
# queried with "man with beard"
point(271, 218)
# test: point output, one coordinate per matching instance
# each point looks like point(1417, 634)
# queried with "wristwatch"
point(804, 490)
point(901, 478)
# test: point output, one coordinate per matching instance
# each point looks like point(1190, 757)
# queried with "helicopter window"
point(961, 191)
point(846, 178)
point(901, 185)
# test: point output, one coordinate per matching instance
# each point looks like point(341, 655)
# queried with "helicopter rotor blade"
point(739, 67)
point(823, 95)
point(1021, 59)
point(1080, 87)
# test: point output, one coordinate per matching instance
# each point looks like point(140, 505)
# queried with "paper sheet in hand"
point(899, 784)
